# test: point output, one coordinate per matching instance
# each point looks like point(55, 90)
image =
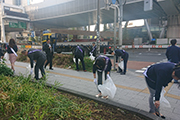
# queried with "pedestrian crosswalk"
point(143, 69)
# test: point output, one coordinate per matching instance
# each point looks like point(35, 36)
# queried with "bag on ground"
point(108, 88)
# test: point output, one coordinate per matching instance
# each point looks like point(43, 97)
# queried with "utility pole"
point(98, 26)
point(120, 19)
point(114, 34)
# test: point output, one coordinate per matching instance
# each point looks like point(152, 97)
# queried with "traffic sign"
point(17, 25)
point(113, 1)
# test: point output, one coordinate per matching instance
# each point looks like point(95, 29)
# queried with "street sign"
point(22, 25)
point(113, 1)
point(17, 25)
point(13, 25)
point(148, 5)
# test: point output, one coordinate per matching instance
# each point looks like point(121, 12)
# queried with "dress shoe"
point(122, 73)
point(51, 68)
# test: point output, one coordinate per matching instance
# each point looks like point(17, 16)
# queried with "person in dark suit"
point(173, 53)
point(102, 64)
point(124, 56)
point(93, 51)
point(49, 54)
point(79, 54)
point(40, 57)
point(158, 76)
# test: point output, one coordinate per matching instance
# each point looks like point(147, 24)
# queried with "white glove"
point(90, 53)
point(108, 76)
point(31, 71)
point(95, 81)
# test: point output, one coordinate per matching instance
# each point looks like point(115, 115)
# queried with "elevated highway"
point(60, 14)
point(77, 13)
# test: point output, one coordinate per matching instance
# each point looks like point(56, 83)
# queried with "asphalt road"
point(145, 55)
point(141, 58)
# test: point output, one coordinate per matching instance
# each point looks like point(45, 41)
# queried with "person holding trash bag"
point(102, 64)
point(40, 57)
point(93, 51)
point(124, 56)
point(79, 54)
point(158, 76)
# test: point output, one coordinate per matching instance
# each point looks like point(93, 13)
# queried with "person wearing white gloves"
point(40, 57)
point(102, 64)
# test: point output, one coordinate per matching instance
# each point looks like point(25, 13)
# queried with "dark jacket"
point(173, 54)
point(93, 51)
point(108, 65)
point(15, 48)
point(1, 52)
point(35, 54)
point(120, 53)
point(47, 49)
point(79, 51)
point(159, 75)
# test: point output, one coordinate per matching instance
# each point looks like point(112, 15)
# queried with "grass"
point(20, 98)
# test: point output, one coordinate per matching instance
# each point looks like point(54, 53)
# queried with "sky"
point(132, 23)
point(36, 1)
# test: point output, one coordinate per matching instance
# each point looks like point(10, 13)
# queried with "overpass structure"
point(60, 14)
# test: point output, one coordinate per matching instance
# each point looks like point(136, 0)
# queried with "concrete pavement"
point(132, 93)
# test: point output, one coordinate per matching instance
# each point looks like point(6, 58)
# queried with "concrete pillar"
point(148, 29)
point(3, 38)
point(173, 28)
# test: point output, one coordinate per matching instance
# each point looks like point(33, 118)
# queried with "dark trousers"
point(99, 74)
point(125, 59)
point(39, 65)
point(82, 61)
point(49, 61)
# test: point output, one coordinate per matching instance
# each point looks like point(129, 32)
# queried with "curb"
point(109, 102)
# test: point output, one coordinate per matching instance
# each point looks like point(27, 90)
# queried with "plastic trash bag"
point(6, 57)
point(108, 88)
point(92, 57)
point(121, 64)
point(28, 68)
point(95, 81)
point(163, 101)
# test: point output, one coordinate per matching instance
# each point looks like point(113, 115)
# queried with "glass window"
point(17, 2)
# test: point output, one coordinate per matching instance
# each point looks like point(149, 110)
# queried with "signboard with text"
point(17, 25)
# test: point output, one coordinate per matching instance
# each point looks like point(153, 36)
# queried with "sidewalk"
point(132, 93)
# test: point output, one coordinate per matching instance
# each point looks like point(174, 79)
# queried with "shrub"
point(88, 64)
point(5, 70)
point(64, 61)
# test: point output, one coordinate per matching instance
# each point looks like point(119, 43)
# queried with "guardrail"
point(124, 46)
point(145, 46)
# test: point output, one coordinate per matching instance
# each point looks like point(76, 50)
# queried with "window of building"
point(17, 2)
